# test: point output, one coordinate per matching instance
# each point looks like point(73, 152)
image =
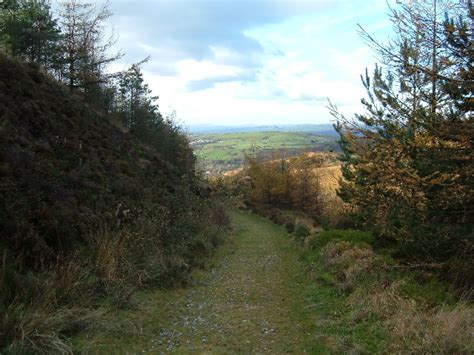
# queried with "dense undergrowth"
point(89, 212)
point(364, 301)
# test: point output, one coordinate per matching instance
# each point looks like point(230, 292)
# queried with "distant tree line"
point(73, 48)
point(408, 161)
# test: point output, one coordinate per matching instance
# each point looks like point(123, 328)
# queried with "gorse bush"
point(301, 232)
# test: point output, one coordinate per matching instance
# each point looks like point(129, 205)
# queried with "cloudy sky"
point(250, 61)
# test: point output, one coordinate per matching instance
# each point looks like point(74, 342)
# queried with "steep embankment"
point(64, 167)
point(87, 212)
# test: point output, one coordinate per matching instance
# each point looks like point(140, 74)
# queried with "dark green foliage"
point(301, 232)
point(89, 207)
point(87, 210)
point(132, 103)
point(458, 33)
point(29, 31)
point(65, 169)
point(63, 166)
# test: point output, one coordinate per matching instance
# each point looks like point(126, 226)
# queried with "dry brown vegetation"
point(307, 184)
point(418, 316)
point(415, 327)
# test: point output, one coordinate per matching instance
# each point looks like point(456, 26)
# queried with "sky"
point(249, 61)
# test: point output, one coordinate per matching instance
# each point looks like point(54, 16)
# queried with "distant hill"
point(320, 129)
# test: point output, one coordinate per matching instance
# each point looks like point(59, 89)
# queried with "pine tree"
point(417, 54)
point(136, 106)
point(84, 51)
point(407, 161)
point(459, 38)
point(28, 31)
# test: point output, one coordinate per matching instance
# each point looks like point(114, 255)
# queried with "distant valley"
point(219, 153)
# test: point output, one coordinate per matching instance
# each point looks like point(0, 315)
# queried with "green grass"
point(356, 237)
point(229, 149)
point(345, 323)
point(266, 293)
point(248, 300)
point(327, 303)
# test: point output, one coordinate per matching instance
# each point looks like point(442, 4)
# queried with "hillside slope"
point(64, 167)
point(88, 212)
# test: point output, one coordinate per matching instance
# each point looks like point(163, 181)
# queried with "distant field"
point(219, 153)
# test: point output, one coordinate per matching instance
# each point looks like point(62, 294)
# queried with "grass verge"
point(42, 309)
point(364, 302)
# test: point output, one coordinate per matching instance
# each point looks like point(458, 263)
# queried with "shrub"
point(290, 227)
point(301, 232)
point(355, 237)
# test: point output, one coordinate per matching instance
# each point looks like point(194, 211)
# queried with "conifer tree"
point(28, 31)
point(84, 51)
point(407, 161)
point(135, 100)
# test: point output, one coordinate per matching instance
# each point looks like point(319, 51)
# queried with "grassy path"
point(247, 302)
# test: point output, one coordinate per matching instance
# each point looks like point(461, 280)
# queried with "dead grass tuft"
point(382, 302)
point(42, 330)
point(415, 328)
point(44, 307)
point(445, 330)
point(348, 259)
point(108, 260)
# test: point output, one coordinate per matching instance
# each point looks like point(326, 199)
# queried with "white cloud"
point(192, 70)
point(300, 61)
